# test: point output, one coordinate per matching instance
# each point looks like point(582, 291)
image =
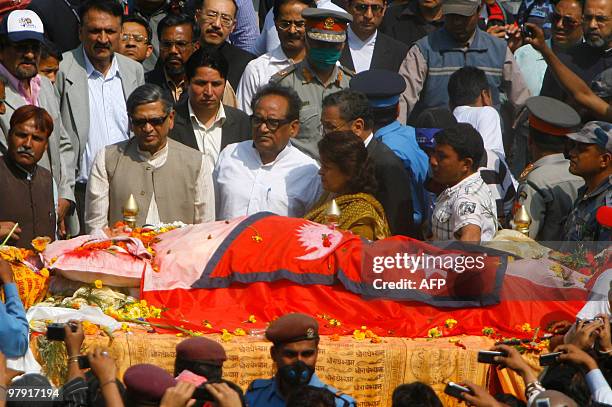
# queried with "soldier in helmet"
point(295, 339)
point(318, 75)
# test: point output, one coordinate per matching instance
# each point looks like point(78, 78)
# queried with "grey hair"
point(149, 93)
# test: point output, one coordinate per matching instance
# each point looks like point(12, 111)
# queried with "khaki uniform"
point(312, 91)
point(548, 191)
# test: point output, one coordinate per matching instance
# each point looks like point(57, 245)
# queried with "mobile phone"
point(526, 31)
point(549, 358)
point(55, 331)
point(542, 403)
point(200, 393)
point(487, 356)
point(83, 362)
point(190, 377)
point(455, 390)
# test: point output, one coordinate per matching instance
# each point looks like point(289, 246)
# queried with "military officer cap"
point(465, 8)
point(382, 87)
point(551, 116)
point(292, 328)
point(201, 350)
point(326, 25)
point(599, 133)
point(145, 382)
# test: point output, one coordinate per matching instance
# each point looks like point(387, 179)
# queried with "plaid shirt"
point(496, 175)
point(467, 203)
point(581, 224)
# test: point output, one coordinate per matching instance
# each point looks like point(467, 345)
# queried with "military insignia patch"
point(329, 23)
point(310, 333)
point(466, 208)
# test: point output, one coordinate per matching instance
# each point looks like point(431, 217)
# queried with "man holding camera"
point(295, 339)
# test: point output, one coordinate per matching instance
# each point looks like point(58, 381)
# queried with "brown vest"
point(30, 203)
point(174, 183)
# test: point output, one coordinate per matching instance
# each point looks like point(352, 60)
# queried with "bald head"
point(555, 399)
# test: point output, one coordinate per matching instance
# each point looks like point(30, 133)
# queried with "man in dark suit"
point(367, 47)
point(202, 121)
point(348, 110)
point(178, 38)
point(217, 19)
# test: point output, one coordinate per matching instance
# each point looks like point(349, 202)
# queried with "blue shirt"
point(108, 118)
point(402, 141)
point(14, 328)
point(247, 26)
point(265, 393)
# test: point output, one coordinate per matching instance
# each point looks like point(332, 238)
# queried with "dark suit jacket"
point(237, 60)
point(388, 54)
point(393, 190)
point(237, 127)
point(157, 77)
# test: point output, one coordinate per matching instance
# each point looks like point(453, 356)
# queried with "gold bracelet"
point(73, 359)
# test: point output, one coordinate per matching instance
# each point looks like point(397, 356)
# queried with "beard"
point(174, 70)
point(23, 73)
point(597, 41)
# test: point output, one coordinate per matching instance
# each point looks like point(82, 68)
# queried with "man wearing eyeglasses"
point(368, 48)
point(566, 33)
point(588, 59)
point(178, 39)
point(217, 19)
point(267, 173)
point(20, 47)
point(319, 74)
point(135, 40)
point(170, 182)
point(291, 27)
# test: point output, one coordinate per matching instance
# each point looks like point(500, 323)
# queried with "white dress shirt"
point(98, 188)
point(208, 139)
point(599, 387)
point(288, 186)
point(486, 120)
point(361, 51)
point(108, 119)
point(268, 40)
point(257, 74)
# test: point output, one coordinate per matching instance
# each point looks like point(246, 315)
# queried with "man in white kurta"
point(267, 173)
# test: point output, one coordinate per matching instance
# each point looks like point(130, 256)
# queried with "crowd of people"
point(434, 119)
point(468, 111)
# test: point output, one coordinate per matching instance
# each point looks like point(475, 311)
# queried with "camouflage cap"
point(599, 133)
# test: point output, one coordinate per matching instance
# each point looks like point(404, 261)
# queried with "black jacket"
point(393, 192)
point(388, 54)
point(157, 77)
point(237, 60)
point(61, 22)
point(405, 23)
point(236, 128)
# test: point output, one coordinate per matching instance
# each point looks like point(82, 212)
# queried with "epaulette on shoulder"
point(259, 384)
point(348, 71)
point(282, 73)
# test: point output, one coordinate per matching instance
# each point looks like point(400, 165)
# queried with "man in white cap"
point(21, 34)
point(434, 58)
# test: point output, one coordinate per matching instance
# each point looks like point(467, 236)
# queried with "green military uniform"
point(322, 26)
point(312, 90)
point(547, 189)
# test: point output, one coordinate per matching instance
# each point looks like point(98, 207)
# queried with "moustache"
point(215, 31)
point(102, 46)
point(25, 150)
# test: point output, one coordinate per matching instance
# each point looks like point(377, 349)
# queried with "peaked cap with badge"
point(326, 25)
point(292, 328)
point(551, 116)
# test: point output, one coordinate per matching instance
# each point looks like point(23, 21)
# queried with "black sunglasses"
point(154, 121)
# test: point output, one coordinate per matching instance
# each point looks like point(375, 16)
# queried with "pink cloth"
point(35, 85)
